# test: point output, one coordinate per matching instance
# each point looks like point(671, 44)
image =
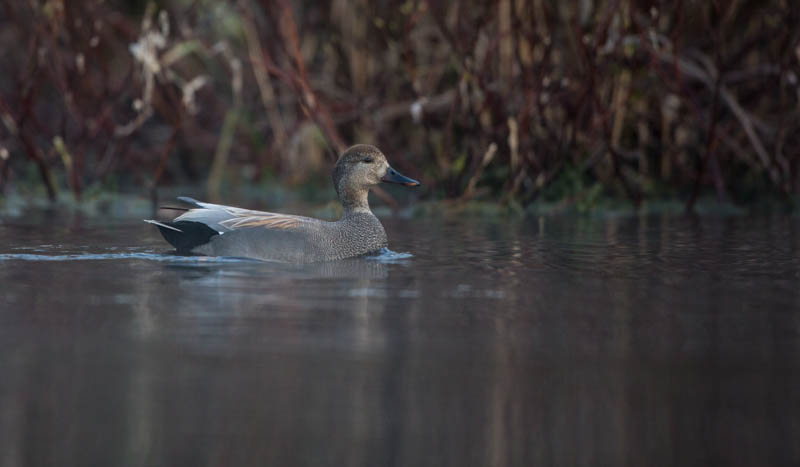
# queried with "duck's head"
point(361, 167)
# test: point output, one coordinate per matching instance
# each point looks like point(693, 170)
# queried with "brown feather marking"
point(273, 221)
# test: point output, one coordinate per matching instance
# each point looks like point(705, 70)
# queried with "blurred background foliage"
point(513, 101)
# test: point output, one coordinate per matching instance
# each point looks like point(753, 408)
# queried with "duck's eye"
point(368, 160)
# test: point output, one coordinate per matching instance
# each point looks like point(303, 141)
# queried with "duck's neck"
point(354, 201)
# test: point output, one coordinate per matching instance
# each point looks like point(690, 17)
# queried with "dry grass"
point(496, 99)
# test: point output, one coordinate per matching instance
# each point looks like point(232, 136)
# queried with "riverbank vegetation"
point(514, 102)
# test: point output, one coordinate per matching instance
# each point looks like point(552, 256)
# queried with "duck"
point(217, 230)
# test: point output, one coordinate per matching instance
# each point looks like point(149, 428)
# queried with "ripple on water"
point(119, 256)
point(385, 255)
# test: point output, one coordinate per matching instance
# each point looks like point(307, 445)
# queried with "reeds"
point(496, 99)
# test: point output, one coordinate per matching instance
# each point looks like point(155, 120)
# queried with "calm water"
point(554, 341)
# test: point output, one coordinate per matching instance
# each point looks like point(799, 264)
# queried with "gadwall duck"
point(216, 230)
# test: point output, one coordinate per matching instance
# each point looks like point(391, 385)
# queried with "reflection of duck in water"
point(358, 269)
point(216, 230)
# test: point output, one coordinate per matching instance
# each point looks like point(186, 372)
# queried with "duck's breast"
point(357, 234)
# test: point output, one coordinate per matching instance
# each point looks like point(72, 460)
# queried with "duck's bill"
point(393, 176)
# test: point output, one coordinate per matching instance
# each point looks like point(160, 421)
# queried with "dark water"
point(556, 341)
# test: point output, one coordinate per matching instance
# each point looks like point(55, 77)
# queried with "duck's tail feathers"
point(172, 208)
point(191, 201)
point(184, 235)
point(162, 225)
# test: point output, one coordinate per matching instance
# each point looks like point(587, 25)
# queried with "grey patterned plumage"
point(217, 230)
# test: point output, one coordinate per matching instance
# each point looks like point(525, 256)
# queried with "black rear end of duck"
point(185, 235)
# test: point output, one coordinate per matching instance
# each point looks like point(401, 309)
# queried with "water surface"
point(551, 341)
